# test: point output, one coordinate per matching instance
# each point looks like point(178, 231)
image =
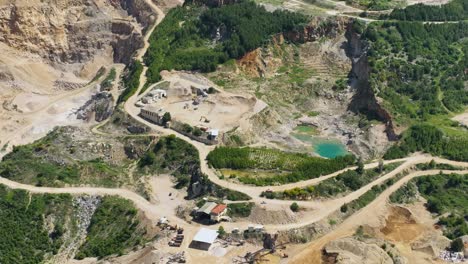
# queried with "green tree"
point(197, 132)
point(381, 166)
point(457, 245)
point(294, 207)
point(166, 118)
point(221, 231)
point(360, 166)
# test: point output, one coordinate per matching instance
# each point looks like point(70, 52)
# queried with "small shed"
point(204, 239)
point(218, 212)
point(214, 133)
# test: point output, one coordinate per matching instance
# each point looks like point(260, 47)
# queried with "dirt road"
point(312, 251)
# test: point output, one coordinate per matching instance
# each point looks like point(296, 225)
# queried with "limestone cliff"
point(365, 101)
point(76, 31)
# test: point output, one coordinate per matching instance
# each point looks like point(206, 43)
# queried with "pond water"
point(327, 148)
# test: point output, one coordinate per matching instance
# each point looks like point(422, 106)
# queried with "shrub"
point(294, 207)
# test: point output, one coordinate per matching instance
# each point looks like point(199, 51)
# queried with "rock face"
point(351, 251)
point(365, 100)
point(317, 28)
point(100, 105)
point(76, 31)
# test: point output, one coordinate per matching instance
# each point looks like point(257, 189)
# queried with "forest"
point(418, 69)
point(430, 139)
point(187, 38)
point(455, 10)
point(114, 228)
point(299, 166)
point(24, 236)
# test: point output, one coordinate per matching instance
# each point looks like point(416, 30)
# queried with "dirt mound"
point(349, 250)
point(401, 226)
point(263, 216)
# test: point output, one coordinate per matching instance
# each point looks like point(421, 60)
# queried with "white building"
point(204, 238)
point(153, 114)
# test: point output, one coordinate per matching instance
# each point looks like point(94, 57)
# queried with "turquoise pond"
point(326, 148)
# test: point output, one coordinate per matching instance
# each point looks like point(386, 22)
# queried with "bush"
point(457, 245)
point(294, 207)
point(240, 209)
point(197, 132)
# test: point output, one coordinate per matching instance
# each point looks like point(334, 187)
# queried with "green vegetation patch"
point(172, 155)
point(343, 183)
point(445, 194)
point(368, 196)
point(240, 209)
point(114, 228)
point(199, 38)
point(419, 69)
point(430, 139)
point(58, 160)
point(298, 165)
point(107, 83)
point(25, 238)
point(455, 10)
point(131, 80)
point(376, 4)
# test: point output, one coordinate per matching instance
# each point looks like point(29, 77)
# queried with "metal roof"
point(206, 235)
point(207, 207)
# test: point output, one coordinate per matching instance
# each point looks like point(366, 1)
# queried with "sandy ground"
point(370, 215)
point(427, 2)
point(223, 110)
point(462, 118)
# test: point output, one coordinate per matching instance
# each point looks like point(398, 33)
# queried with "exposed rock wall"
point(74, 31)
point(365, 101)
point(317, 28)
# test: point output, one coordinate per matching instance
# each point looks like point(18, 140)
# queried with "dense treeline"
point(343, 183)
point(131, 80)
point(299, 166)
point(188, 37)
point(445, 194)
point(247, 25)
point(419, 69)
point(430, 139)
point(114, 228)
point(25, 238)
point(368, 196)
point(455, 10)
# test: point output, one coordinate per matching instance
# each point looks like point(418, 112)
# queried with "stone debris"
point(101, 104)
point(452, 257)
point(177, 258)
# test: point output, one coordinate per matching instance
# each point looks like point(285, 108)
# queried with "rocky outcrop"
point(365, 101)
point(100, 106)
point(315, 29)
point(213, 3)
point(75, 31)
